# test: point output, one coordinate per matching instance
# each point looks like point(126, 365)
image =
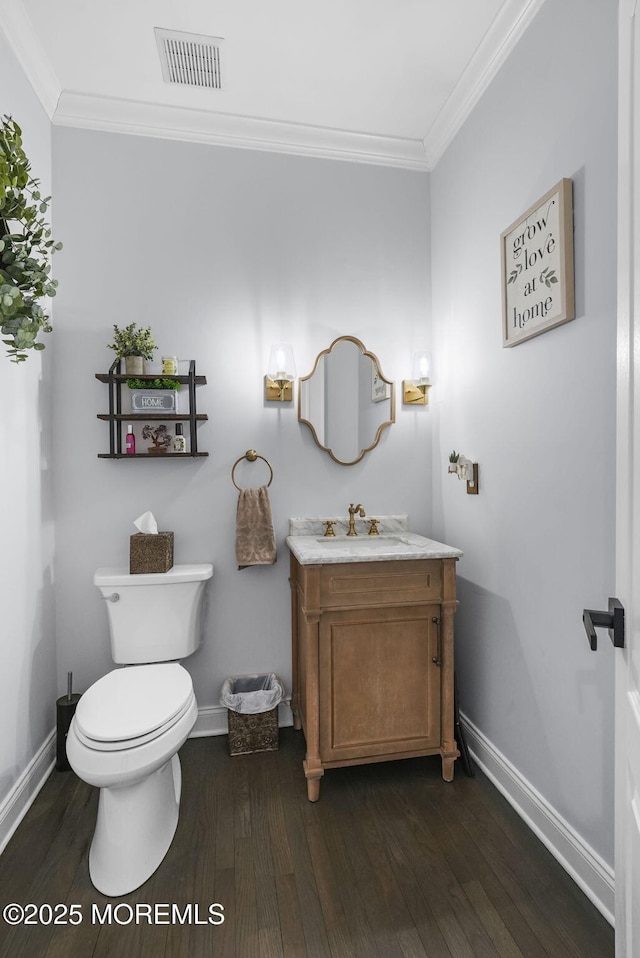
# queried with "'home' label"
point(153, 400)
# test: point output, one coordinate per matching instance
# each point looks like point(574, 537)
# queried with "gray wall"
point(223, 252)
point(539, 417)
point(27, 659)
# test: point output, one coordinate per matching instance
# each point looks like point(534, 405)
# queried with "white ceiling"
point(378, 81)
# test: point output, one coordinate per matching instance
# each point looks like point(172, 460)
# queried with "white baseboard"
point(21, 797)
point(588, 870)
point(213, 720)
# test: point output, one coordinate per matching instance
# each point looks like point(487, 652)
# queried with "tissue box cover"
point(150, 553)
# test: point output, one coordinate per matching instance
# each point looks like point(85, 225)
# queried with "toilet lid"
point(124, 745)
point(134, 701)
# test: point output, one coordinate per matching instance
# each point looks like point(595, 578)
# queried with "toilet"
point(128, 726)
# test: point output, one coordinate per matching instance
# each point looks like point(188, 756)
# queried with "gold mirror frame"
point(378, 383)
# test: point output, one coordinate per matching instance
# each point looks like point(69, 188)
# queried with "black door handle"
point(613, 620)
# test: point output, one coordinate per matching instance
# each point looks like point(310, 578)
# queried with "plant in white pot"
point(134, 344)
point(26, 248)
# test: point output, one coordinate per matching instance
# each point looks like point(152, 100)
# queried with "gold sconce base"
point(273, 393)
point(413, 395)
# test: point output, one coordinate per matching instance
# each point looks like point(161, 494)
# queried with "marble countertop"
point(310, 546)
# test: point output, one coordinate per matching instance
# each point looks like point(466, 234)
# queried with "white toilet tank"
point(154, 617)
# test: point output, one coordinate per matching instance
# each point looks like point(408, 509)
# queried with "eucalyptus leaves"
point(133, 340)
point(26, 248)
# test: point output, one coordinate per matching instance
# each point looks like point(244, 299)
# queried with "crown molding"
point(85, 111)
point(224, 129)
point(507, 28)
point(19, 34)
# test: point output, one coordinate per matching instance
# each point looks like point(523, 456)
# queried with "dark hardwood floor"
point(390, 863)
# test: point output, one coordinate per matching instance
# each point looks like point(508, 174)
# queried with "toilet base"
point(134, 830)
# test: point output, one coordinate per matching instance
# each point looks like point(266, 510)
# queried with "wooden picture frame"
point(537, 267)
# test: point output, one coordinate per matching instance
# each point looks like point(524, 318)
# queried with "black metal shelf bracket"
point(613, 620)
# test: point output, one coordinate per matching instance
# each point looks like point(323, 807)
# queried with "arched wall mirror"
point(346, 401)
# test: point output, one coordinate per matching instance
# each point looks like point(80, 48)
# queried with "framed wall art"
point(537, 267)
point(380, 388)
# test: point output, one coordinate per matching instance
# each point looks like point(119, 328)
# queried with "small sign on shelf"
point(154, 400)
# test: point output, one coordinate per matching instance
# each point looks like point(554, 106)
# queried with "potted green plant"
point(453, 461)
point(154, 395)
point(134, 344)
point(26, 248)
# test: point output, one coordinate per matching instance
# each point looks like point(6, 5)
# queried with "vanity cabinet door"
point(379, 683)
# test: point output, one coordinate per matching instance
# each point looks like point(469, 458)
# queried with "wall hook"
point(464, 469)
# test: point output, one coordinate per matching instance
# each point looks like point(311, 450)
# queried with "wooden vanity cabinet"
point(372, 649)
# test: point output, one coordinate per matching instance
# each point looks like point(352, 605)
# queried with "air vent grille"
point(190, 59)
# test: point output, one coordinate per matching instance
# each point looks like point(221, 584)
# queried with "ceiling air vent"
point(190, 59)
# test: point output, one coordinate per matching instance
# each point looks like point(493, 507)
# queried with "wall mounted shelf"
point(115, 380)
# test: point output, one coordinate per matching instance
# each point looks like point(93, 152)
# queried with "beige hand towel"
point(255, 540)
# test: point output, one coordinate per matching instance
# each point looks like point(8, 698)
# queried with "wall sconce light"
point(463, 468)
point(415, 391)
point(281, 371)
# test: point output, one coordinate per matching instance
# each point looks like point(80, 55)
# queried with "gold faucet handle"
point(373, 530)
point(330, 523)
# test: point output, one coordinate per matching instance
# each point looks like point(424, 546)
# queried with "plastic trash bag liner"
point(250, 694)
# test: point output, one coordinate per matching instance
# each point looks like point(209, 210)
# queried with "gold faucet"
point(359, 509)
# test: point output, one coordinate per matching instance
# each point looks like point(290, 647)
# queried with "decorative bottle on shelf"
point(179, 442)
point(131, 441)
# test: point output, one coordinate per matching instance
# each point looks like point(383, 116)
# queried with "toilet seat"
point(134, 705)
point(117, 745)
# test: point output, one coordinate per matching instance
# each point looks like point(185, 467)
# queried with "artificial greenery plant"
point(26, 247)
point(162, 383)
point(133, 341)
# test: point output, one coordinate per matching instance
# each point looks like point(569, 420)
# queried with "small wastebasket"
point(252, 712)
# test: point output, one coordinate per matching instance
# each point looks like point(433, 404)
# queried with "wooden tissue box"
point(150, 553)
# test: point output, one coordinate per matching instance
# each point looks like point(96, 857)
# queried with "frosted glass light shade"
point(281, 367)
point(421, 368)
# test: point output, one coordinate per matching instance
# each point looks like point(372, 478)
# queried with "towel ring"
point(251, 455)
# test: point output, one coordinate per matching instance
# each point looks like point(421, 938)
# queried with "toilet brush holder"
point(65, 710)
